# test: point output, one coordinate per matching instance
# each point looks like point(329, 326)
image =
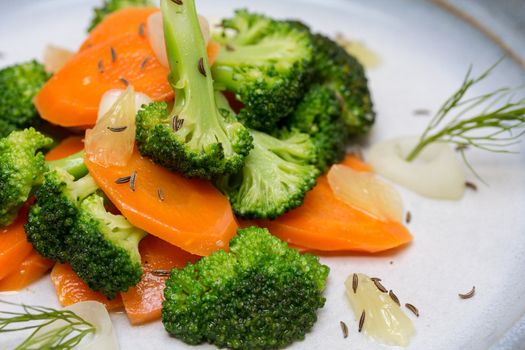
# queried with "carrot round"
point(125, 21)
point(31, 269)
point(326, 223)
point(71, 289)
point(143, 303)
point(188, 213)
point(14, 247)
point(66, 148)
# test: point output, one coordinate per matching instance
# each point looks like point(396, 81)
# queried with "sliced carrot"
point(213, 50)
point(356, 164)
point(31, 269)
point(67, 147)
point(189, 213)
point(143, 303)
point(71, 289)
point(125, 21)
point(14, 247)
point(71, 97)
point(326, 223)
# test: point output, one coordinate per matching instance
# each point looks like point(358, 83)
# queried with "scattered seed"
point(132, 181)
point(124, 81)
point(113, 54)
point(178, 2)
point(160, 273)
point(412, 308)
point(355, 282)
point(229, 48)
point(422, 111)
point(394, 297)
point(362, 321)
point(117, 129)
point(100, 66)
point(391, 262)
point(180, 123)
point(469, 294)
point(123, 180)
point(144, 63)
point(375, 279)
point(408, 217)
point(380, 286)
point(141, 29)
point(344, 328)
point(471, 185)
point(160, 194)
point(202, 70)
point(461, 147)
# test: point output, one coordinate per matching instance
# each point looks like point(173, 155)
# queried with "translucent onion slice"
point(435, 173)
point(95, 313)
point(366, 192)
point(384, 321)
point(156, 35)
point(55, 58)
point(112, 139)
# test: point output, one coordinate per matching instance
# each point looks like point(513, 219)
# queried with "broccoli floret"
point(265, 64)
point(55, 213)
point(104, 248)
point(275, 177)
point(21, 167)
point(19, 84)
point(198, 138)
point(318, 115)
point(259, 295)
point(110, 6)
point(337, 69)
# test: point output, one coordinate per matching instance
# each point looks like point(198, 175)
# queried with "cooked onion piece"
point(435, 173)
point(112, 139)
point(55, 58)
point(156, 35)
point(383, 318)
point(366, 192)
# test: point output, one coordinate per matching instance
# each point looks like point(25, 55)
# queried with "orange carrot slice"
point(66, 148)
point(188, 213)
point(143, 303)
point(356, 164)
point(71, 289)
point(125, 21)
point(71, 97)
point(31, 269)
point(326, 223)
point(14, 247)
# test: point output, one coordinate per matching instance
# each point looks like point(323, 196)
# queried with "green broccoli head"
point(19, 84)
point(265, 64)
point(318, 115)
point(53, 216)
point(110, 6)
point(259, 295)
point(21, 167)
point(275, 177)
point(336, 68)
point(198, 137)
point(104, 251)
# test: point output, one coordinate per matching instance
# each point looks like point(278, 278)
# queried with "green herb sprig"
point(498, 125)
point(65, 336)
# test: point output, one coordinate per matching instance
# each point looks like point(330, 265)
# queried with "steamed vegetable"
point(110, 6)
point(259, 295)
point(33, 267)
point(197, 138)
point(14, 247)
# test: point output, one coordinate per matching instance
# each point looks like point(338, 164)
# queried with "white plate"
point(479, 240)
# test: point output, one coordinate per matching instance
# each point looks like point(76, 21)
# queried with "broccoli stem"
point(73, 164)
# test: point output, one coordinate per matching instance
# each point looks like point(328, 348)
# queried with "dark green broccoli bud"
point(21, 167)
point(19, 84)
point(318, 115)
point(275, 177)
point(104, 248)
point(265, 64)
point(198, 138)
point(336, 68)
point(54, 215)
point(110, 6)
point(259, 295)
